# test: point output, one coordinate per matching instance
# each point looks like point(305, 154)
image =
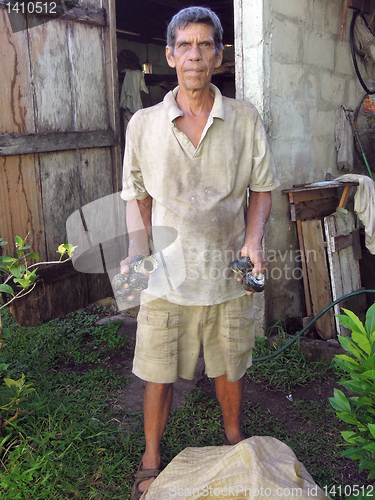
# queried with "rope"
point(323, 311)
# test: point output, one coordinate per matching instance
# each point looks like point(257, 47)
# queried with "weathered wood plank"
point(334, 266)
point(88, 77)
point(344, 267)
point(94, 17)
point(313, 209)
point(304, 270)
point(319, 281)
point(51, 301)
point(315, 186)
point(14, 144)
point(112, 87)
point(96, 175)
point(60, 183)
point(315, 194)
point(49, 59)
point(20, 202)
point(17, 113)
point(238, 46)
point(55, 10)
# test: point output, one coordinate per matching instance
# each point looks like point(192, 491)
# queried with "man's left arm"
point(257, 215)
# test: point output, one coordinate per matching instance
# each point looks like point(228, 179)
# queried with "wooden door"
point(59, 142)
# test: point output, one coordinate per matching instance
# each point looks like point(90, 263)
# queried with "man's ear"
point(169, 56)
point(219, 59)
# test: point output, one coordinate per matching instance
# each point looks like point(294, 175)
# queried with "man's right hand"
point(125, 269)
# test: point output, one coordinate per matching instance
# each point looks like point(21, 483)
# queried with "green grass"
point(68, 444)
point(289, 369)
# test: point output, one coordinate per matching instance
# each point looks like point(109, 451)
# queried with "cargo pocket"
point(157, 336)
point(240, 334)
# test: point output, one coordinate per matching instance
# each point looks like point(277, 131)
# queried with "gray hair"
point(201, 15)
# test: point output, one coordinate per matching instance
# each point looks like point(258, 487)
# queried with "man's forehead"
point(193, 29)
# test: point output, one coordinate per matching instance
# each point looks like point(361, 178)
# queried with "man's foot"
point(234, 439)
point(143, 480)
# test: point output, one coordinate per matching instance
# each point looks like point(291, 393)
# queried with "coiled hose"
point(305, 328)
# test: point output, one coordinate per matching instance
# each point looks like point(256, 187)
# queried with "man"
point(188, 163)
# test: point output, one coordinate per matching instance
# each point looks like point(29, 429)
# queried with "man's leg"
point(157, 400)
point(230, 396)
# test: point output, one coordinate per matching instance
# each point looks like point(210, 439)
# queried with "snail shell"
point(119, 281)
point(242, 266)
point(138, 282)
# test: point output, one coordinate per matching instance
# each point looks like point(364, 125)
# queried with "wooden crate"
point(329, 245)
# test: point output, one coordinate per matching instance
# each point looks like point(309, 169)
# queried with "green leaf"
point(370, 447)
point(347, 417)
point(348, 345)
point(8, 260)
point(368, 374)
point(3, 242)
point(347, 358)
point(356, 320)
point(362, 341)
point(9, 382)
point(23, 283)
point(359, 386)
point(349, 436)
point(370, 319)
point(372, 429)
point(20, 242)
point(340, 401)
point(369, 364)
point(351, 453)
point(32, 255)
point(18, 272)
point(66, 248)
point(346, 321)
point(6, 288)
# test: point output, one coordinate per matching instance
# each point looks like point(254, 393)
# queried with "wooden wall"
point(59, 139)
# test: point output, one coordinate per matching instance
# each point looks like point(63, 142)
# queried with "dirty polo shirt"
point(199, 194)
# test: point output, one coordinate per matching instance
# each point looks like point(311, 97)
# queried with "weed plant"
point(69, 442)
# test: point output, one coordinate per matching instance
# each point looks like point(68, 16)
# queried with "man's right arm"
point(138, 222)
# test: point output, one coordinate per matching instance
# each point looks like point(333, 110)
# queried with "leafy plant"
point(18, 270)
point(359, 410)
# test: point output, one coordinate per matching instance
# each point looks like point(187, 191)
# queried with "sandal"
point(140, 476)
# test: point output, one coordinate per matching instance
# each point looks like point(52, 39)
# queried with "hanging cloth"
point(343, 141)
point(130, 99)
point(364, 205)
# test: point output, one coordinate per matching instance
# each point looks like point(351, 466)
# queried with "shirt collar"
point(173, 111)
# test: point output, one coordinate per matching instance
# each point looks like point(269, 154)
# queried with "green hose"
point(292, 340)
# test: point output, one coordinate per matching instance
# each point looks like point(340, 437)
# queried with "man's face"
point(194, 56)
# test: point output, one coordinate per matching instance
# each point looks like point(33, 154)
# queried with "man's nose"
point(195, 53)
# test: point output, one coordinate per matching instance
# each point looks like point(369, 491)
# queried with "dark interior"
point(145, 21)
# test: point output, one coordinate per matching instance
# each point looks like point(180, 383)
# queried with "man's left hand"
point(258, 259)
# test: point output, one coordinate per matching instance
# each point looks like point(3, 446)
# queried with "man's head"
point(199, 15)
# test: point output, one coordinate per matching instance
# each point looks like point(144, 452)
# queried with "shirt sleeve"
point(133, 187)
point(263, 173)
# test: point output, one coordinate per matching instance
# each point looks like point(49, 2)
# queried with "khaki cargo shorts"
point(169, 337)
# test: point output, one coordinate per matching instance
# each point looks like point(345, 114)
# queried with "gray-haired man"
point(188, 163)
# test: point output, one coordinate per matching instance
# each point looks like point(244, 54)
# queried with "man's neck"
point(195, 103)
